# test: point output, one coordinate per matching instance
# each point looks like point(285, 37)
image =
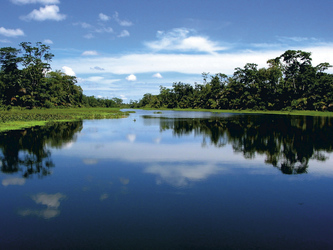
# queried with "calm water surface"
point(170, 180)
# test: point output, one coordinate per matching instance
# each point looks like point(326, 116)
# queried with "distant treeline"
point(289, 82)
point(27, 81)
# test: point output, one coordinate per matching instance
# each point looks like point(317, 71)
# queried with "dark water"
point(170, 180)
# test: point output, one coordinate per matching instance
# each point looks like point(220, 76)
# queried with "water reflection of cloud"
point(45, 213)
point(157, 140)
point(52, 201)
point(124, 181)
point(155, 154)
point(13, 181)
point(67, 145)
point(90, 161)
point(103, 197)
point(131, 137)
point(182, 175)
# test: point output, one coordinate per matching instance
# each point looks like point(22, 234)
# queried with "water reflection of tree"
point(25, 150)
point(288, 142)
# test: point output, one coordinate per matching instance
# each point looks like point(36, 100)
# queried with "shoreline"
point(17, 119)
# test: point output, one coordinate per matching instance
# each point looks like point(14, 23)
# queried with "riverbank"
point(23, 118)
point(272, 112)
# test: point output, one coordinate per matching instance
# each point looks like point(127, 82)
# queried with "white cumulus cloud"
point(48, 41)
point(180, 39)
point(11, 32)
point(49, 12)
point(124, 33)
point(90, 53)
point(157, 75)
point(103, 17)
point(131, 78)
point(121, 22)
point(68, 71)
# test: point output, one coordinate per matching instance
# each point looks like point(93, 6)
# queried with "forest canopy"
point(289, 82)
point(26, 80)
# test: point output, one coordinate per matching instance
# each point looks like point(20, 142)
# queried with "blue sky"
point(126, 48)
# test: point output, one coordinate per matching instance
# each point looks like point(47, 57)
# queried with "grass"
point(293, 112)
point(19, 119)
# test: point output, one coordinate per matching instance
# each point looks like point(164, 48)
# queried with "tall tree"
point(36, 61)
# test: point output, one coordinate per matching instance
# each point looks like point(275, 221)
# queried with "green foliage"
point(26, 80)
point(16, 118)
point(289, 82)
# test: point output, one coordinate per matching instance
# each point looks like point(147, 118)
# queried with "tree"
point(10, 74)
point(9, 59)
point(295, 65)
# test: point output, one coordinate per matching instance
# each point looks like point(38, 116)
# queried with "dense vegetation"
point(17, 118)
point(289, 82)
point(26, 80)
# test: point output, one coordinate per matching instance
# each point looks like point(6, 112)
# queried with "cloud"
point(104, 30)
point(131, 78)
point(68, 71)
point(124, 33)
point(4, 41)
point(48, 41)
point(179, 39)
point(297, 39)
point(157, 75)
point(89, 36)
point(103, 17)
point(98, 83)
point(121, 22)
point(90, 53)
point(123, 97)
point(45, 2)
point(49, 12)
point(97, 68)
point(94, 78)
point(225, 62)
point(83, 25)
point(11, 32)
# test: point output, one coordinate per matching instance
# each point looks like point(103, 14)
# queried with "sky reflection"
point(181, 183)
point(173, 159)
point(51, 201)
